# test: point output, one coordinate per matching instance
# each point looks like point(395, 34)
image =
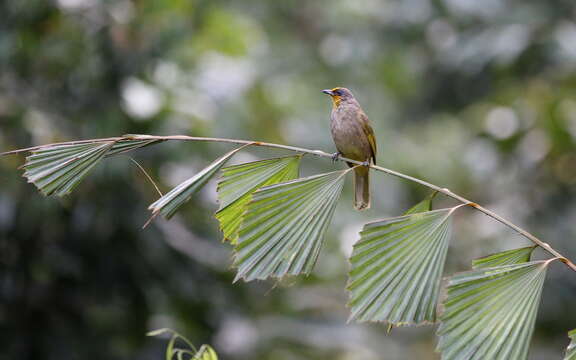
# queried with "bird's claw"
point(336, 156)
point(366, 163)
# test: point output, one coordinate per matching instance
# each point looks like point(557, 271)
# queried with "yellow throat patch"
point(336, 99)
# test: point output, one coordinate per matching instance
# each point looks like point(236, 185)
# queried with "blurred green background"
point(476, 96)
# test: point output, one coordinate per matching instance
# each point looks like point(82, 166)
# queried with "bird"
point(354, 139)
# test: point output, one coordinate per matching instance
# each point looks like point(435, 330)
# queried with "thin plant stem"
point(146, 175)
point(321, 153)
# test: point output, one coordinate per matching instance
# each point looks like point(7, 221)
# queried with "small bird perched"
point(354, 139)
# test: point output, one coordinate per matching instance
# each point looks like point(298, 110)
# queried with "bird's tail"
point(361, 188)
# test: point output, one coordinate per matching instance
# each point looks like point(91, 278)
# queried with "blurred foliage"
point(475, 96)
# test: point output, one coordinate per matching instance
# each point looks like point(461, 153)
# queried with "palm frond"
point(571, 349)
point(284, 225)
point(397, 266)
point(58, 169)
point(238, 182)
point(489, 313)
point(509, 257)
point(168, 204)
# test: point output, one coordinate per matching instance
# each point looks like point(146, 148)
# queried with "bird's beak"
point(329, 92)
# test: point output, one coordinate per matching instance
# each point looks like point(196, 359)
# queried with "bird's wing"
point(369, 132)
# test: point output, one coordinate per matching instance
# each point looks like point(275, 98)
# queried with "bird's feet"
point(336, 156)
point(366, 163)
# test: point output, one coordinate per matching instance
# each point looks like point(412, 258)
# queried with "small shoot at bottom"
point(173, 351)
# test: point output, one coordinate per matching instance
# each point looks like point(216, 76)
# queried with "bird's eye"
point(338, 92)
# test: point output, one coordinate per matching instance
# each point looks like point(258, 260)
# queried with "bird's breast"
point(348, 133)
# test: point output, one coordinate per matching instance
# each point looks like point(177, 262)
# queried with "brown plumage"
point(354, 139)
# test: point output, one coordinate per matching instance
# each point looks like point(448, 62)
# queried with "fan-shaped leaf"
point(397, 267)
point(514, 256)
point(489, 313)
point(238, 182)
point(284, 224)
point(571, 350)
point(168, 204)
point(57, 169)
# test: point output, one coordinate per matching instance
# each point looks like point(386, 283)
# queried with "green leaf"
point(514, 256)
point(284, 225)
point(422, 206)
point(489, 313)
point(238, 182)
point(571, 349)
point(397, 266)
point(168, 204)
point(58, 169)
point(205, 353)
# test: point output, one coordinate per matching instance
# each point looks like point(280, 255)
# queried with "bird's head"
point(339, 94)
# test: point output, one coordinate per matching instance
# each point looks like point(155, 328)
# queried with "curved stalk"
point(320, 153)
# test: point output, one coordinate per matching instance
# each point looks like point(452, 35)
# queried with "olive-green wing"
point(369, 134)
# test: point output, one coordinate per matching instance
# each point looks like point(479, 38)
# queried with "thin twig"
point(320, 153)
point(147, 175)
